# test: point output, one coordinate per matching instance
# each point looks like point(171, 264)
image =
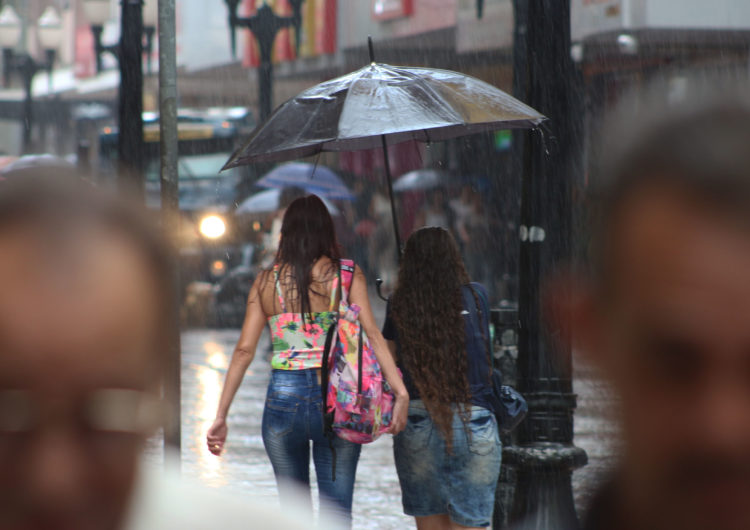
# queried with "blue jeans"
point(292, 418)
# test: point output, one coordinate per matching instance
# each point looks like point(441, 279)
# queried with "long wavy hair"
point(307, 234)
point(426, 308)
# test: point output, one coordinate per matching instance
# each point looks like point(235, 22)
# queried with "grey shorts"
point(461, 484)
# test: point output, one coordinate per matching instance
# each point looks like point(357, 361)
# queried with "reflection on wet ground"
point(377, 499)
point(244, 465)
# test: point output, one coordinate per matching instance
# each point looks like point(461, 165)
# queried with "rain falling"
point(520, 225)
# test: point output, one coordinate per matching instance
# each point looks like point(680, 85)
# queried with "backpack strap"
point(335, 289)
point(347, 278)
point(278, 287)
point(326, 359)
point(481, 314)
point(325, 373)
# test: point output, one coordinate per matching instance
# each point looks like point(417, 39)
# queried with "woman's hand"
point(242, 356)
point(217, 436)
point(400, 413)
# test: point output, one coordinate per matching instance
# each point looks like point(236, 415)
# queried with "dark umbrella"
point(379, 105)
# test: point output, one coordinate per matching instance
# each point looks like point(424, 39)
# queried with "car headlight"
point(218, 268)
point(212, 226)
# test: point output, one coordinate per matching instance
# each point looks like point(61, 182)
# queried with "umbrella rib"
point(434, 95)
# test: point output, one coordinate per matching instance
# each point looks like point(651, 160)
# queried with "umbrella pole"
point(389, 180)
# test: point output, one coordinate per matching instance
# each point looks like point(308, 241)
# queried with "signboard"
point(592, 17)
point(318, 28)
point(588, 17)
point(85, 56)
point(390, 9)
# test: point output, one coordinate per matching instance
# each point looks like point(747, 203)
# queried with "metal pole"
point(97, 31)
point(170, 202)
point(130, 137)
point(389, 182)
point(266, 25)
point(545, 456)
point(265, 86)
point(27, 73)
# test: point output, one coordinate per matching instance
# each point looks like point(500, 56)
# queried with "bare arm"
point(242, 356)
point(358, 295)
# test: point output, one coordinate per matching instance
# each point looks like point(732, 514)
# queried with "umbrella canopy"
point(381, 104)
point(421, 179)
point(403, 103)
point(268, 201)
point(319, 180)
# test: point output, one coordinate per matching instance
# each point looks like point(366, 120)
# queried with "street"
point(377, 500)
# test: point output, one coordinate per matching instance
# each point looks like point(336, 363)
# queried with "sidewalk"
point(377, 499)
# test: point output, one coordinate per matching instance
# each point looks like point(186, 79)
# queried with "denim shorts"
point(461, 484)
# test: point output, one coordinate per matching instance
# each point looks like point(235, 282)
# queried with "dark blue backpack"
point(508, 404)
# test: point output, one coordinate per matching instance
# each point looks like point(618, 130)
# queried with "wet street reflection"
point(244, 466)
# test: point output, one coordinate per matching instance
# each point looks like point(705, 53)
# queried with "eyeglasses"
point(100, 414)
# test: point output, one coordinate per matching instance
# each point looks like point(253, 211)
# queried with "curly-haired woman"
point(448, 456)
point(297, 298)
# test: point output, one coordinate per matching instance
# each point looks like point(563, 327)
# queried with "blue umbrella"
point(268, 201)
point(319, 180)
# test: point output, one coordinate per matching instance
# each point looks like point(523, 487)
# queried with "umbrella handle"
point(378, 285)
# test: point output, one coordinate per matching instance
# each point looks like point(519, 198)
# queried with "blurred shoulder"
point(165, 501)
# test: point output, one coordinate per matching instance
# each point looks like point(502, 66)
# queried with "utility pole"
point(545, 457)
point(170, 206)
point(130, 136)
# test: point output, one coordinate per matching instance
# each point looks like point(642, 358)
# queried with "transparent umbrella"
point(380, 105)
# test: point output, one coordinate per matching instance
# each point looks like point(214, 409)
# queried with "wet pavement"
point(377, 502)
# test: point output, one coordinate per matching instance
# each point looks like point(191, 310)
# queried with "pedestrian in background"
point(664, 311)
point(382, 244)
point(435, 211)
point(298, 298)
point(448, 456)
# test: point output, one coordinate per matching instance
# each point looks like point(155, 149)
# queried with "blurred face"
point(77, 328)
point(674, 336)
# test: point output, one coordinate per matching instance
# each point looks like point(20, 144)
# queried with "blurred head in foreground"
point(666, 313)
point(82, 331)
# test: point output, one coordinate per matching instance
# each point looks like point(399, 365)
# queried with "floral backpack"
point(357, 400)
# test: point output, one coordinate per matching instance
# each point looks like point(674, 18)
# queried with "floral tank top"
point(297, 342)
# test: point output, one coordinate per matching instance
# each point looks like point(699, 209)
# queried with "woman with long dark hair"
point(448, 456)
point(298, 299)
